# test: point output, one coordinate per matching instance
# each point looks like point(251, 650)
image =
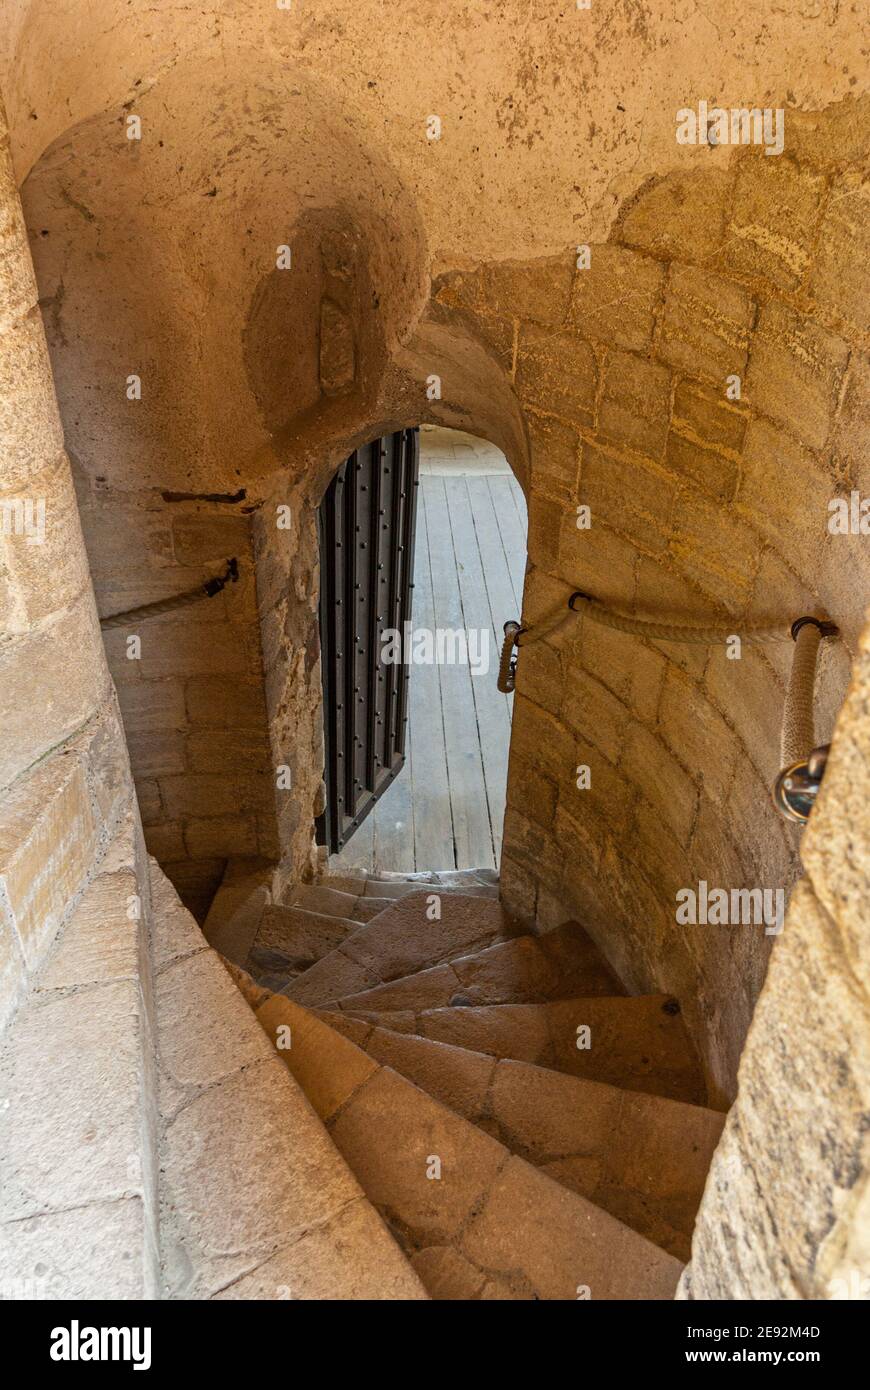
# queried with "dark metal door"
point(366, 578)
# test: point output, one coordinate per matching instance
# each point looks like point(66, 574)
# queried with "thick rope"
point(169, 605)
point(703, 634)
point(798, 738)
point(516, 636)
point(647, 627)
point(797, 742)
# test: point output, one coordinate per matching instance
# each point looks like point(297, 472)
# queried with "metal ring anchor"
point(797, 786)
point(507, 666)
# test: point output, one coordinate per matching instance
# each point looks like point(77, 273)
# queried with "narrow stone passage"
point(570, 996)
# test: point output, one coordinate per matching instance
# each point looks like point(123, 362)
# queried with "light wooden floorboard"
point(472, 833)
point(491, 709)
point(393, 818)
point(433, 820)
point(505, 493)
point(501, 582)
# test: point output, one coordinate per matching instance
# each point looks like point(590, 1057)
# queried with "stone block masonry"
point(782, 1215)
point(698, 381)
point(191, 695)
point(691, 393)
point(63, 765)
point(77, 1141)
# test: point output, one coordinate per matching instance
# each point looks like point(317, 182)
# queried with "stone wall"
point(63, 766)
point(204, 387)
point(191, 687)
point(77, 1142)
point(613, 380)
point(701, 506)
point(605, 387)
point(785, 1210)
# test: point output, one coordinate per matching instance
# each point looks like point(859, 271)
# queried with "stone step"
point(417, 876)
point(234, 917)
point(445, 876)
point(299, 936)
point(319, 897)
point(394, 888)
point(401, 941)
point(251, 991)
point(483, 876)
point(256, 1201)
point(384, 888)
point(346, 881)
point(476, 1221)
point(330, 901)
point(641, 1157)
point(561, 964)
point(270, 968)
point(639, 1043)
point(367, 908)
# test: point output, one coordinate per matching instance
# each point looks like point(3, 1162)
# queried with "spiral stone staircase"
point(364, 1088)
point(522, 1127)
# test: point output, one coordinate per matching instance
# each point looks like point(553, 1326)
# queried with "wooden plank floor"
point(445, 809)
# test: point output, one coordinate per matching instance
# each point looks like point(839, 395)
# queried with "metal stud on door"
point(367, 520)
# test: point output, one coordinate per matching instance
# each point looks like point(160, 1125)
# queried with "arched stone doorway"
point(442, 805)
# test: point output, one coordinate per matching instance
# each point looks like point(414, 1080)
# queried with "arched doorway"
point(416, 732)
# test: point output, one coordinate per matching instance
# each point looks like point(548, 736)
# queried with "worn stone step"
point(561, 964)
point(476, 1221)
point(391, 888)
point(641, 1157)
point(330, 901)
point(481, 875)
point(639, 1043)
point(483, 882)
point(255, 1198)
point(401, 941)
point(417, 876)
point(234, 917)
point(365, 908)
point(400, 888)
point(247, 986)
point(299, 936)
point(385, 888)
point(346, 881)
point(271, 970)
point(319, 897)
point(445, 876)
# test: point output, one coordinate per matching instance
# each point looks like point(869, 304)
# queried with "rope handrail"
point(802, 764)
point(169, 605)
point(702, 633)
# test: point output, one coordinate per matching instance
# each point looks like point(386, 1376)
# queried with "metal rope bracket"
point(507, 666)
point(803, 765)
point(796, 788)
point(214, 586)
